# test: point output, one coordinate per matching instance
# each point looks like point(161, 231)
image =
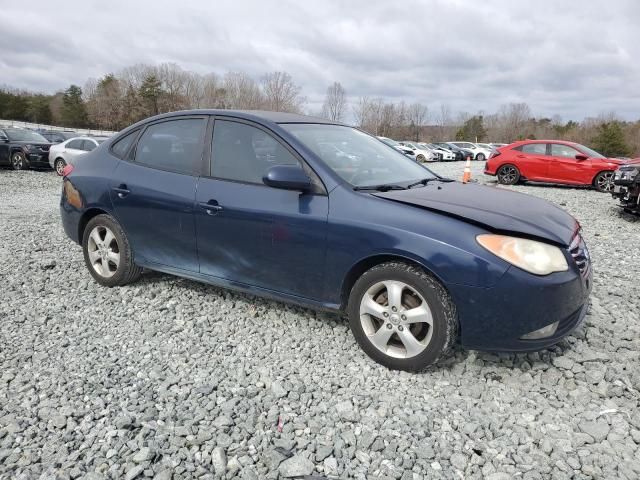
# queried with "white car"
point(479, 153)
point(66, 153)
point(398, 146)
point(442, 153)
point(422, 154)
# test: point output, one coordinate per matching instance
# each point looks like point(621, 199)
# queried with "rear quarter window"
point(121, 147)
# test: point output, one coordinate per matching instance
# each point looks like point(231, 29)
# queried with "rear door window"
point(535, 148)
point(88, 145)
point(75, 144)
point(121, 147)
point(174, 145)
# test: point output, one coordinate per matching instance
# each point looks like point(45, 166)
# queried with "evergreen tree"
point(74, 112)
point(610, 140)
point(473, 130)
point(150, 91)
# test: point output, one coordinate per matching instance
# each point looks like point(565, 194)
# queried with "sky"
point(572, 58)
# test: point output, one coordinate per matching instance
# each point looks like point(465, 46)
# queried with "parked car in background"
point(409, 152)
point(553, 161)
point(626, 186)
point(21, 148)
point(479, 153)
point(446, 155)
point(435, 151)
point(459, 153)
point(410, 257)
point(67, 152)
point(55, 136)
point(498, 145)
point(422, 154)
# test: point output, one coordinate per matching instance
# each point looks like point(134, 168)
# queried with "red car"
point(552, 161)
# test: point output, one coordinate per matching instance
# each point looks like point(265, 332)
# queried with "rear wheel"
point(480, 157)
point(402, 317)
point(59, 165)
point(18, 162)
point(603, 182)
point(107, 252)
point(508, 175)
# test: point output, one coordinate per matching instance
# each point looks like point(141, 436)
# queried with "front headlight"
point(28, 148)
point(534, 257)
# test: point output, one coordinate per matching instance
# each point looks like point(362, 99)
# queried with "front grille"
point(580, 253)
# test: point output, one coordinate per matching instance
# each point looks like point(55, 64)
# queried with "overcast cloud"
point(571, 58)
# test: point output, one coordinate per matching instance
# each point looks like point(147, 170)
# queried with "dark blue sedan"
point(323, 215)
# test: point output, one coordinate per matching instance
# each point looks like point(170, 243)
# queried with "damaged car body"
point(626, 186)
point(256, 202)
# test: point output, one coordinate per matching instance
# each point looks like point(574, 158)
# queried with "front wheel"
point(107, 252)
point(18, 162)
point(421, 159)
point(508, 175)
point(402, 317)
point(59, 165)
point(480, 157)
point(604, 182)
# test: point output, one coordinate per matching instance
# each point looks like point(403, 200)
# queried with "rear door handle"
point(211, 207)
point(121, 190)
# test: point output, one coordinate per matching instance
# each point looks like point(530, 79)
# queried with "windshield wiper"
point(385, 187)
point(423, 182)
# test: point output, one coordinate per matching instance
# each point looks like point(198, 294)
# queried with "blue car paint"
point(304, 248)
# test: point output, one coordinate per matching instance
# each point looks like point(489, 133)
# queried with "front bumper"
point(37, 159)
point(496, 319)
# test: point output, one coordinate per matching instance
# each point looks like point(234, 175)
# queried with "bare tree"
point(242, 92)
point(335, 103)
point(360, 111)
point(281, 94)
point(417, 116)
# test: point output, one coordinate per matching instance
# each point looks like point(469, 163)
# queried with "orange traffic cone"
point(466, 176)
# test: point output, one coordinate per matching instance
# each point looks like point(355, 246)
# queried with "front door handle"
point(121, 190)
point(211, 207)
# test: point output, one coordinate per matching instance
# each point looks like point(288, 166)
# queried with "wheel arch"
point(593, 180)
point(369, 262)
point(86, 218)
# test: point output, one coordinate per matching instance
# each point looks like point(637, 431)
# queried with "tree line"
point(119, 99)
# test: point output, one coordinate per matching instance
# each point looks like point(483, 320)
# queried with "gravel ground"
point(168, 378)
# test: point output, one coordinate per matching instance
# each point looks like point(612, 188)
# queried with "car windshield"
point(16, 135)
point(390, 142)
point(363, 161)
point(591, 153)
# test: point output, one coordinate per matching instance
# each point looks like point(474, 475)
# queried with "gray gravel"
point(168, 378)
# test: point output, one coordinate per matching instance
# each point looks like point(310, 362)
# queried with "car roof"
point(275, 117)
point(523, 142)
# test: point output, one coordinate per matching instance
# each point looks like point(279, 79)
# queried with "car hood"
point(620, 161)
point(35, 144)
point(494, 208)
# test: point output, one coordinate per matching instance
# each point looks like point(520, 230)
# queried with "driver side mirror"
point(581, 156)
point(287, 177)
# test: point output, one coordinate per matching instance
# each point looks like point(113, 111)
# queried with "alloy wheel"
point(396, 319)
point(508, 175)
point(604, 182)
point(104, 252)
point(59, 165)
point(17, 161)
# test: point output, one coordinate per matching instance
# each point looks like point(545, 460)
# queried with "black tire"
point(126, 271)
point(18, 161)
point(603, 181)
point(508, 174)
point(59, 165)
point(420, 159)
point(480, 157)
point(444, 324)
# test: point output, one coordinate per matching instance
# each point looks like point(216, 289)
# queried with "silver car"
point(67, 152)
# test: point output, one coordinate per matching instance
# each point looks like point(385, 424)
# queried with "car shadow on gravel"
point(515, 361)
